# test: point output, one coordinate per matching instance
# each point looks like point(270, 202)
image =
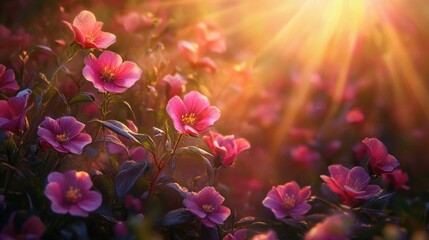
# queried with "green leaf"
point(178, 216)
point(82, 97)
point(145, 141)
point(192, 150)
point(200, 154)
point(104, 184)
point(120, 129)
point(181, 190)
point(41, 48)
point(129, 173)
point(125, 103)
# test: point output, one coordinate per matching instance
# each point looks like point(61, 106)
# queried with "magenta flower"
point(238, 235)
point(7, 80)
point(70, 193)
point(398, 179)
point(87, 32)
point(225, 148)
point(207, 206)
point(303, 154)
point(109, 74)
point(288, 200)
point(336, 227)
point(176, 85)
point(351, 185)
point(355, 116)
point(64, 134)
point(193, 115)
point(13, 111)
point(379, 159)
point(32, 228)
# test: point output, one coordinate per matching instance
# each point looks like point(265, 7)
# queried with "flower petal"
point(91, 201)
point(195, 102)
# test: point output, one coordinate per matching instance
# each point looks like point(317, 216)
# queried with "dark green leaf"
point(192, 150)
point(125, 103)
point(175, 217)
point(41, 48)
point(145, 141)
point(120, 129)
point(82, 97)
point(105, 185)
point(76, 231)
point(199, 153)
point(209, 233)
point(181, 190)
point(129, 172)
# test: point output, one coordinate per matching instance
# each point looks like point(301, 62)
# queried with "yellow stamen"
point(107, 74)
point(73, 195)
point(62, 138)
point(207, 208)
point(189, 118)
point(289, 202)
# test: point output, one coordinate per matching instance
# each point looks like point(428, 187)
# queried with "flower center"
point(189, 118)
point(73, 195)
point(207, 208)
point(107, 75)
point(289, 202)
point(90, 37)
point(62, 138)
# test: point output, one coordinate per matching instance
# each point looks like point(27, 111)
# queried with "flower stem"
point(326, 202)
point(159, 169)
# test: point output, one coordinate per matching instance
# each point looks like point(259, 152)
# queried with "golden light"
point(334, 38)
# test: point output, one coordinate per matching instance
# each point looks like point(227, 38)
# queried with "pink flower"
point(109, 74)
point(135, 21)
point(210, 38)
point(355, 116)
point(70, 193)
point(225, 148)
point(351, 185)
point(238, 235)
point(191, 51)
point(336, 227)
point(207, 206)
point(288, 200)
point(303, 154)
point(87, 32)
point(176, 85)
point(32, 228)
point(397, 179)
point(379, 159)
point(13, 111)
point(193, 115)
point(64, 134)
point(7, 80)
